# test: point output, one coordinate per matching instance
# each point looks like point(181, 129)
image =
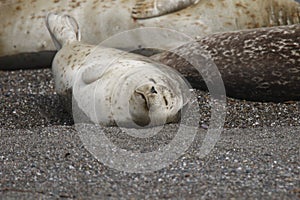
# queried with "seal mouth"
point(142, 95)
point(140, 112)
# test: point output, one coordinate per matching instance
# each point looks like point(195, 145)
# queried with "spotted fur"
point(25, 42)
point(259, 64)
point(109, 86)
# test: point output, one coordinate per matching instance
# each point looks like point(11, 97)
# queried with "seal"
point(111, 86)
point(25, 42)
point(259, 64)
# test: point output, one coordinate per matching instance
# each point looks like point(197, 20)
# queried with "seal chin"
point(154, 105)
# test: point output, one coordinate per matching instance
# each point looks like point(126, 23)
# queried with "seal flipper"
point(152, 8)
point(63, 29)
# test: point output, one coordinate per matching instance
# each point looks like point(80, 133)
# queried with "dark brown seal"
point(258, 64)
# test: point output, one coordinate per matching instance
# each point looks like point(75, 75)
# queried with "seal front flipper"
point(63, 29)
point(152, 8)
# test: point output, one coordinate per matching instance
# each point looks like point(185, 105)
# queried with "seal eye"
point(166, 101)
point(153, 91)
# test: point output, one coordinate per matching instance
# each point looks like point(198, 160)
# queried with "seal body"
point(259, 64)
point(22, 30)
point(110, 86)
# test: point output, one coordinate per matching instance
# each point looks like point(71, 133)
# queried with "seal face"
point(149, 99)
point(112, 87)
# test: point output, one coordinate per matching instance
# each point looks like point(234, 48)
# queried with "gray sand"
point(42, 156)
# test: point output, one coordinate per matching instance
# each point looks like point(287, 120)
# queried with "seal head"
point(156, 103)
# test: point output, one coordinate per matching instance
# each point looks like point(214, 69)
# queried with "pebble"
point(42, 156)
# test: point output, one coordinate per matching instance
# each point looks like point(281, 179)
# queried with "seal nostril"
point(153, 90)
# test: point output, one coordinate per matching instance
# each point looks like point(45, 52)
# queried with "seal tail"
point(63, 29)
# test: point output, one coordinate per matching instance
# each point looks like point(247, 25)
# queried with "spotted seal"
point(24, 41)
point(259, 64)
point(111, 86)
